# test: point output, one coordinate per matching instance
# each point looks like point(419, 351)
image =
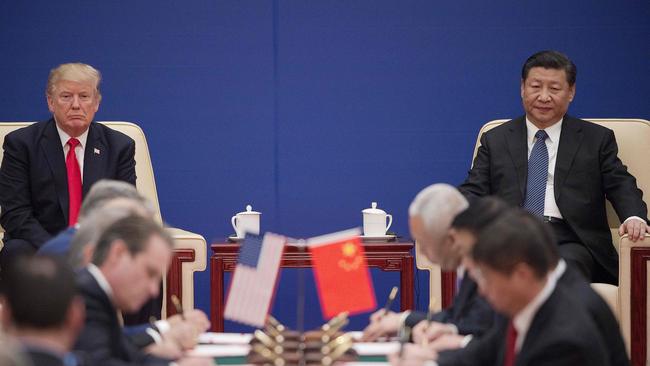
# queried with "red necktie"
point(511, 340)
point(74, 182)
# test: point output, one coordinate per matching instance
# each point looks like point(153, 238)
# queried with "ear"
point(5, 314)
point(572, 92)
point(50, 103)
point(116, 252)
point(76, 316)
point(521, 88)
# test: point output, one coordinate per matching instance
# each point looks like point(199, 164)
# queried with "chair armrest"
point(435, 279)
point(190, 255)
point(633, 257)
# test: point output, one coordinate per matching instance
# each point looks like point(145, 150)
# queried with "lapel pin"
point(96, 150)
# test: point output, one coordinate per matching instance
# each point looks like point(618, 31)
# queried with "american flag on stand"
point(253, 284)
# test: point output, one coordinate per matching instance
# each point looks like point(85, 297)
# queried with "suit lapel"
point(51, 145)
point(465, 292)
point(95, 157)
point(519, 152)
point(570, 140)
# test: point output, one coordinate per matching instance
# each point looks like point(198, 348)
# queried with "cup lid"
point(373, 209)
point(249, 211)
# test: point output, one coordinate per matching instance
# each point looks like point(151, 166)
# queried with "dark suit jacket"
point(469, 311)
point(587, 170)
point(33, 178)
point(561, 334)
point(599, 312)
point(102, 340)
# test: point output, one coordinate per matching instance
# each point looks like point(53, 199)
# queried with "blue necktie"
point(537, 175)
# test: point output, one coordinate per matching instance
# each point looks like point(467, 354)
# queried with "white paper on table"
point(376, 348)
point(219, 350)
point(225, 338)
point(366, 363)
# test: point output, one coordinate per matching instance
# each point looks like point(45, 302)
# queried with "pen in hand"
point(178, 306)
point(391, 298)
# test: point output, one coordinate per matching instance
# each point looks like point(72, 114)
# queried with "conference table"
point(385, 255)
point(233, 348)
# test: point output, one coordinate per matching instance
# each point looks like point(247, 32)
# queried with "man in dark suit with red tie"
point(561, 169)
point(49, 166)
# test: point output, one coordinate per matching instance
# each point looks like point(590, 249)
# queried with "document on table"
point(376, 348)
point(225, 338)
point(219, 350)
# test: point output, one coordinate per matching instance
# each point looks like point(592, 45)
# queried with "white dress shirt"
point(554, 133)
point(79, 150)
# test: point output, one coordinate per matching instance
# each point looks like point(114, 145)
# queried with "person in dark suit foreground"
point(541, 324)
point(49, 166)
point(128, 263)
point(431, 214)
point(562, 169)
point(42, 310)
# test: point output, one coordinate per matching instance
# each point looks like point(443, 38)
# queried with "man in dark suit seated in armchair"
point(561, 169)
point(49, 166)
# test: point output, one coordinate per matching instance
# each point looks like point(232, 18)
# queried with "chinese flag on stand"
point(342, 277)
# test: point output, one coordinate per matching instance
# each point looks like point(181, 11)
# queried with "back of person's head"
point(551, 60)
point(436, 206)
point(134, 231)
point(516, 237)
point(77, 72)
point(480, 213)
point(37, 292)
point(106, 190)
point(96, 222)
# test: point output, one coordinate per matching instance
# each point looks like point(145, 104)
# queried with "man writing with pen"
point(432, 213)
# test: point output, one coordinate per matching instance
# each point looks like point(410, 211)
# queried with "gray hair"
point(436, 206)
point(106, 190)
point(94, 225)
point(76, 71)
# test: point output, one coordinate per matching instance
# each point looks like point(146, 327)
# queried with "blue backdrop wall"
point(310, 110)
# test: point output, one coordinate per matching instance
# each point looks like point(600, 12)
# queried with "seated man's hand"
point(183, 334)
point(635, 228)
point(195, 361)
point(197, 319)
point(425, 332)
point(447, 342)
point(413, 355)
point(166, 349)
point(382, 323)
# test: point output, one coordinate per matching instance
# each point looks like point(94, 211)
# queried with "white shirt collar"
point(525, 317)
point(65, 137)
point(101, 280)
point(553, 131)
point(559, 270)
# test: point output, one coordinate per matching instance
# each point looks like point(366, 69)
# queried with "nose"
point(76, 104)
point(544, 95)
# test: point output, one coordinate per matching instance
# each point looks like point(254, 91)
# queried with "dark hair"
point(134, 230)
point(516, 237)
point(480, 213)
point(38, 290)
point(551, 60)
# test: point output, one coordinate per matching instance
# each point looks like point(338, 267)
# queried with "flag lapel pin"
point(96, 151)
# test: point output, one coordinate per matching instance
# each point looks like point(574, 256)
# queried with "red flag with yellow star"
point(341, 272)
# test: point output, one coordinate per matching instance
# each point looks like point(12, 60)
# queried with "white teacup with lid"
point(374, 221)
point(246, 222)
